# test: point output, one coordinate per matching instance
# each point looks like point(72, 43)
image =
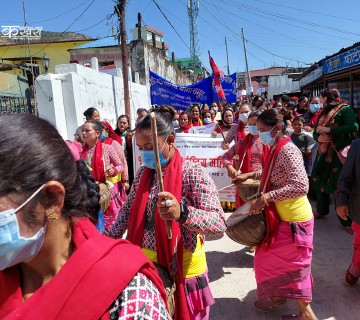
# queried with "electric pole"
point(120, 10)
point(227, 57)
point(193, 12)
point(246, 60)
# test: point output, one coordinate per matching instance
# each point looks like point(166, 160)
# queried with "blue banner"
point(228, 84)
point(342, 61)
point(163, 91)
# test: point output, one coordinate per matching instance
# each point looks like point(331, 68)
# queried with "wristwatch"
point(184, 212)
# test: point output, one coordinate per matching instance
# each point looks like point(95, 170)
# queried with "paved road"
point(233, 282)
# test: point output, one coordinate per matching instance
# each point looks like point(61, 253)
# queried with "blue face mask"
point(14, 248)
point(266, 138)
point(252, 130)
point(102, 137)
point(176, 124)
point(148, 158)
point(207, 120)
point(314, 108)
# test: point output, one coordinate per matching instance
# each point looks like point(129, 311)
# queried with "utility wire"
point(62, 14)
point(71, 24)
point(265, 13)
point(304, 10)
point(170, 24)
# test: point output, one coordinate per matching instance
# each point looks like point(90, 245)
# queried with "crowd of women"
point(62, 253)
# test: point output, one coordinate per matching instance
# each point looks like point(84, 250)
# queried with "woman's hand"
point(324, 138)
point(110, 172)
point(320, 130)
point(126, 186)
point(308, 129)
point(225, 146)
point(241, 178)
point(259, 203)
point(168, 213)
point(342, 212)
point(231, 171)
point(214, 134)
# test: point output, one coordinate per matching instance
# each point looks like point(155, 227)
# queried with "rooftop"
point(47, 37)
point(104, 42)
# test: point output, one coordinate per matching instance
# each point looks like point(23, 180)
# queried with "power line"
point(265, 14)
point(276, 32)
point(71, 24)
point(170, 23)
point(304, 10)
point(62, 14)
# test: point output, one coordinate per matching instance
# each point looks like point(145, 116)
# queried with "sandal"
point(268, 305)
point(349, 279)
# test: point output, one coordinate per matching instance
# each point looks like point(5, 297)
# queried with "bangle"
point(184, 212)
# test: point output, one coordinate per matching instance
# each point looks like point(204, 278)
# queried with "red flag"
point(217, 74)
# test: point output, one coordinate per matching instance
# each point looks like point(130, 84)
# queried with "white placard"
point(205, 151)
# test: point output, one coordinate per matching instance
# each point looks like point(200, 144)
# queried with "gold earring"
point(52, 216)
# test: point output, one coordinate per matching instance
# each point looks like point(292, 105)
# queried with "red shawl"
point(87, 284)
point(246, 144)
point(112, 134)
point(241, 131)
point(165, 247)
point(97, 163)
point(271, 215)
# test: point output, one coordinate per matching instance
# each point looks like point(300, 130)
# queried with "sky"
point(278, 32)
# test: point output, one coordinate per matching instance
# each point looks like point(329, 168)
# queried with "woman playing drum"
point(283, 260)
point(251, 154)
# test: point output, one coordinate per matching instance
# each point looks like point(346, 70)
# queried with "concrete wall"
point(144, 57)
point(279, 84)
point(65, 95)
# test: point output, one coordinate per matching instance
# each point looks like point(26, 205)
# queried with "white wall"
point(74, 88)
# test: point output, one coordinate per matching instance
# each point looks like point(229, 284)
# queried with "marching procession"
point(142, 183)
point(65, 219)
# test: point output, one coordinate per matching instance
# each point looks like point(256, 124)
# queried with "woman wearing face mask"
point(190, 202)
point(121, 180)
point(252, 155)
point(51, 252)
point(104, 162)
point(333, 130)
point(238, 131)
point(284, 257)
point(227, 121)
point(207, 119)
point(312, 113)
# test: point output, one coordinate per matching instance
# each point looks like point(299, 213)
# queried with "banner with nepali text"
point(163, 91)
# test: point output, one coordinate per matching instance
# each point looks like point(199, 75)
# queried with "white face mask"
point(243, 117)
point(14, 248)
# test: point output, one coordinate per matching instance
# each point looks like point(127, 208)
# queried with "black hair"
point(300, 119)
point(302, 98)
point(141, 110)
point(223, 114)
point(204, 113)
point(164, 121)
point(271, 118)
point(97, 125)
point(285, 98)
point(333, 99)
point(255, 113)
point(88, 113)
point(117, 130)
point(292, 104)
point(36, 154)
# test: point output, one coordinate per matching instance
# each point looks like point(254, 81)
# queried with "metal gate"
point(12, 104)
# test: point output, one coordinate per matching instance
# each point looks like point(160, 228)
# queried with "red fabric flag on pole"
point(217, 74)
